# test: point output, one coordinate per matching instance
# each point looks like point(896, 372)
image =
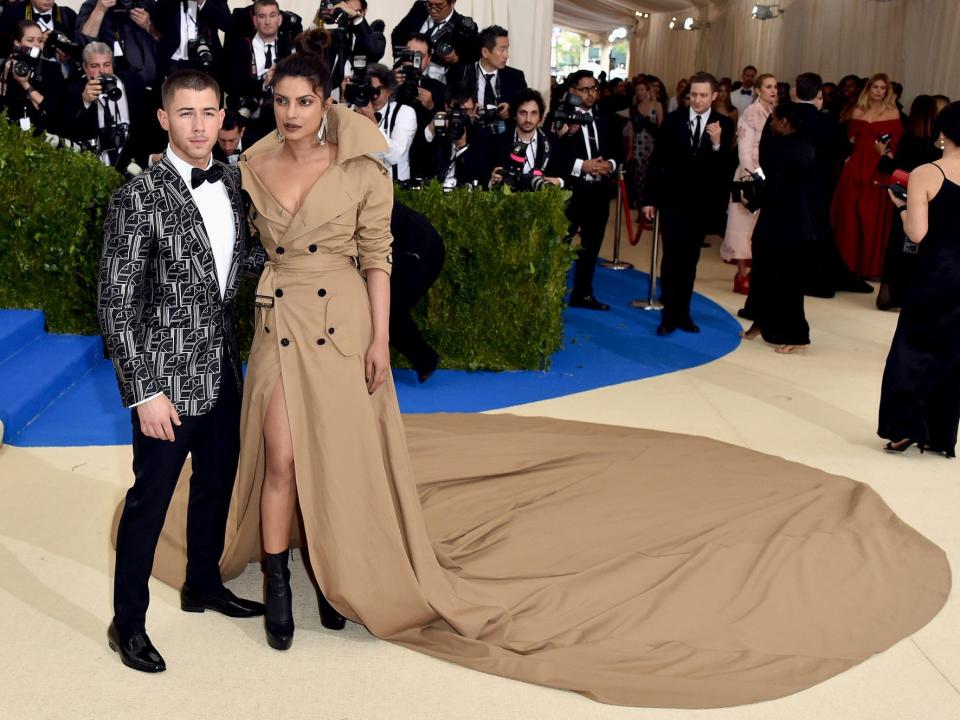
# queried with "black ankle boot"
point(329, 617)
point(278, 618)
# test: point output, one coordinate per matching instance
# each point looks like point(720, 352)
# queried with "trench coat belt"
point(318, 263)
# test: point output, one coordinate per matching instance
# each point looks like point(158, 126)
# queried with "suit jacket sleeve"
point(370, 44)
point(124, 264)
point(410, 24)
point(216, 14)
point(374, 238)
point(237, 78)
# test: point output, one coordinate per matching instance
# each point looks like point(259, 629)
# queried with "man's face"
point(43, 6)
point(439, 9)
point(470, 108)
point(229, 140)
point(702, 96)
point(850, 88)
point(422, 48)
point(381, 95)
point(528, 116)
point(498, 57)
point(748, 78)
point(98, 65)
point(588, 91)
point(267, 19)
point(192, 121)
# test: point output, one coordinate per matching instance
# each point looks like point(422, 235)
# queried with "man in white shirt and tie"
point(397, 122)
point(541, 158)
point(743, 97)
point(447, 30)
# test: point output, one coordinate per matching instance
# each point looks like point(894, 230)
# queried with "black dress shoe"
point(329, 617)
point(689, 326)
point(855, 285)
point(588, 302)
point(222, 601)
point(136, 651)
point(664, 329)
point(426, 372)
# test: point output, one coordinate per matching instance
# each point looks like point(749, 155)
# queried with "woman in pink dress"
point(862, 212)
point(740, 221)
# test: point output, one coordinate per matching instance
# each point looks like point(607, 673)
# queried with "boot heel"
point(329, 617)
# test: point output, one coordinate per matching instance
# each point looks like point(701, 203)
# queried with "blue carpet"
point(600, 349)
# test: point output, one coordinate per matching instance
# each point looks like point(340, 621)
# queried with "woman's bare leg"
point(278, 499)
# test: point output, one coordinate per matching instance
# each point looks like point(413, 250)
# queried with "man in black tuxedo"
point(453, 36)
point(351, 37)
point(248, 67)
point(542, 157)
point(45, 13)
point(203, 21)
point(426, 99)
point(490, 79)
point(458, 156)
point(688, 177)
point(132, 35)
point(827, 272)
point(230, 140)
point(591, 150)
point(175, 247)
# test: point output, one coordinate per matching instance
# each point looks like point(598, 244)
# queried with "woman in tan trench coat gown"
point(635, 567)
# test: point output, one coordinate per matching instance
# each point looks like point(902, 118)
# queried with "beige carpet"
point(818, 408)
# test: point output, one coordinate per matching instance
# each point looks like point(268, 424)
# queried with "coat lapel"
point(327, 199)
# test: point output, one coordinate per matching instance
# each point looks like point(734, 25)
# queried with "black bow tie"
point(46, 17)
point(746, 92)
point(211, 175)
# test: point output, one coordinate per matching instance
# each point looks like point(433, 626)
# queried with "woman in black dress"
point(917, 147)
point(782, 238)
point(920, 399)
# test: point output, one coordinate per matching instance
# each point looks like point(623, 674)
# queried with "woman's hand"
point(377, 364)
point(899, 202)
point(882, 147)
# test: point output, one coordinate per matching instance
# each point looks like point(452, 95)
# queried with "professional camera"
point(332, 14)
point(291, 26)
point(110, 88)
point(451, 125)
point(25, 61)
point(125, 6)
point(568, 111)
point(409, 65)
point(359, 91)
point(56, 40)
point(413, 183)
point(489, 119)
point(199, 54)
point(113, 137)
point(249, 106)
point(513, 175)
point(445, 41)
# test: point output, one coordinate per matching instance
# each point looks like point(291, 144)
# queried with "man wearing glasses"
point(591, 149)
point(398, 123)
point(454, 38)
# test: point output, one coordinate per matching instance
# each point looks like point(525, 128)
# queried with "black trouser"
point(683, 234)
point(409, 282)
point(213, 441)
point(588, 211)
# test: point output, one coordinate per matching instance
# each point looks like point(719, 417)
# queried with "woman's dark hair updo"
point(307, 62)
point(948, 123)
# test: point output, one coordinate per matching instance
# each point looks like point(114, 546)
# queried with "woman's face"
point(878, 91)
point(685, 100)
point(768, 91)
point(32, 37)
point(723, 94)
point(681, 86)
point(655, 88)
point(299, 108)
point(641, 92)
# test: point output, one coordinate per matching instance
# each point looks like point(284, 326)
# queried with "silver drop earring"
point(279, 136)
point(322, 134)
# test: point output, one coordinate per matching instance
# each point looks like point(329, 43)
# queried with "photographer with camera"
point(51, 18)
point(453, 37)
point(104, 112)
point(128, 27)
point(31, 86)
point(190, 35)
point(248, 68)
point(230, 141)
point(528, 158)
point(495, 84)
point(397, 122)
point(459, 150)
point(351, 36)
point(421, 92)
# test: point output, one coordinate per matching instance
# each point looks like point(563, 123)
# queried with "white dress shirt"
point(482, 72)
point(399, 126)
point(704, 119)
point(260, 53)
point(578, 164)
point(742, 100)
point(188, 29)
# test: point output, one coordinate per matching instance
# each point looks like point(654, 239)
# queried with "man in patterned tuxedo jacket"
point(175, 247)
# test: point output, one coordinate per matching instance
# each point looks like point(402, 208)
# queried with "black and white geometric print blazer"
point(166, 327)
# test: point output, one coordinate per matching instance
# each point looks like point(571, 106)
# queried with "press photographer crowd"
point(805, 181)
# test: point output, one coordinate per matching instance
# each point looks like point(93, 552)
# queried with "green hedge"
point(51, 229)
point(497, 305)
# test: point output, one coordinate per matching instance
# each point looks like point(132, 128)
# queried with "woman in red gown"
point(862, 212)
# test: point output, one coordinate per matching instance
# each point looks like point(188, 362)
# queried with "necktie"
point(107, 115)
point(592, 136)
point(268, 62)
point(696, 134)
point(211, 175)
point(45, 18)
point(489, 96)
point(379, 117)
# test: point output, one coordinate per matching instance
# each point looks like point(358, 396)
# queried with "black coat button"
point(321, 341)
point(321, 292)
point(280, 251)
point(285, 342)
point(266, 328)
point(312, 248)
point(279, 293)
point(332, 330)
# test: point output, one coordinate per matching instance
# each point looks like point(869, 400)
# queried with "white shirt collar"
point(183, 167)
point(705, 115)
point(484, 71)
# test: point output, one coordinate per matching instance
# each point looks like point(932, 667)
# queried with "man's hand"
point(377, 365)
point(426, 98)
point(91, 91)
point(142, 18)
point(367, 111)
point(504, 110)
point(268, 76)
point(348, 9)
point(649, 213)
point(157, 418)
point(597, 166)
point(715, 133)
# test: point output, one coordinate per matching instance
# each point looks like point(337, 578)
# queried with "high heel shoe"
point(278, 618)
point(900, 447)
point(329, 617)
